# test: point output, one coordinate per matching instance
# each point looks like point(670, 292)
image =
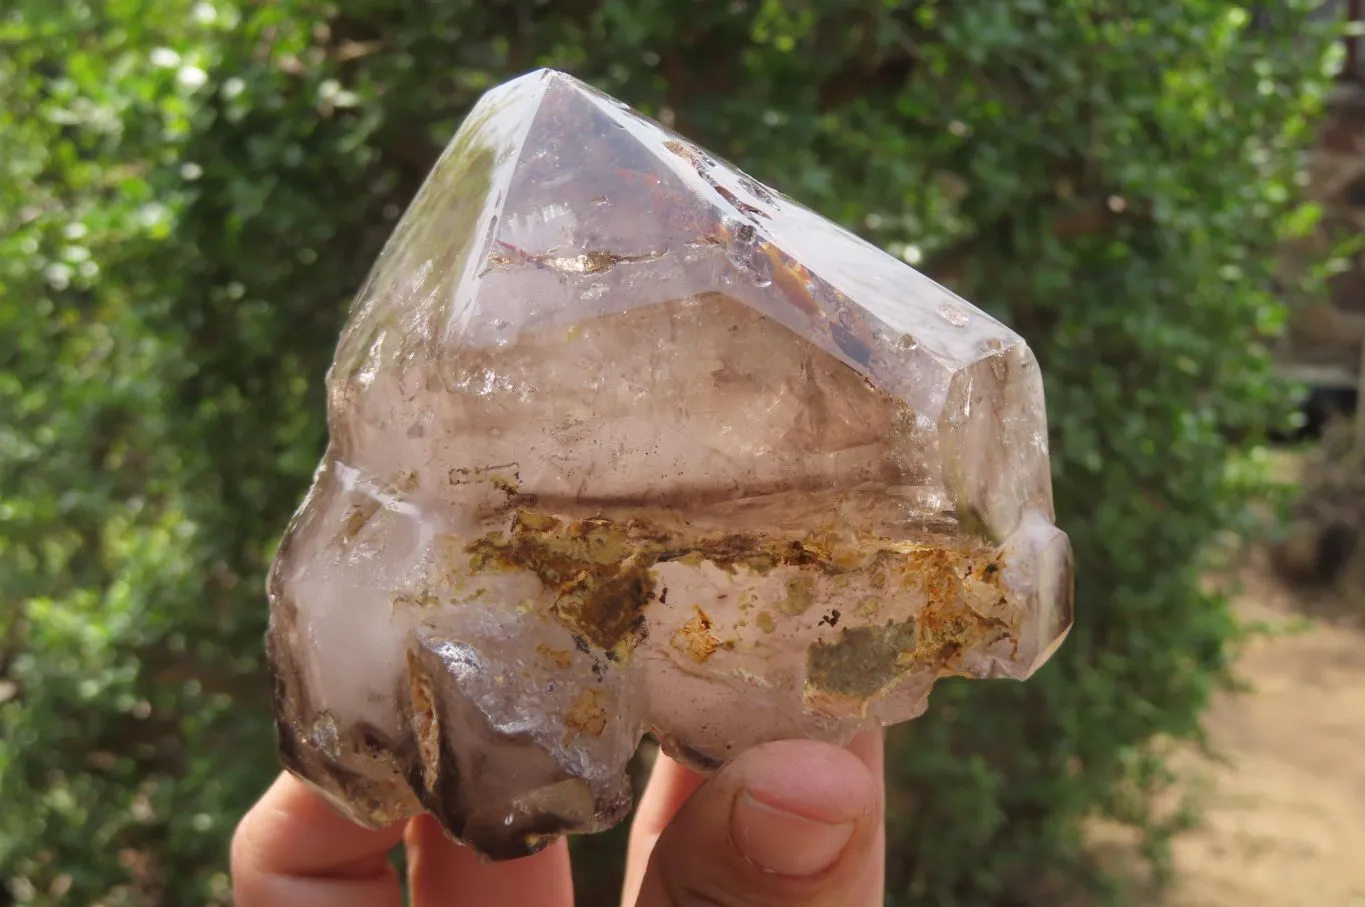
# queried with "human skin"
point(797, 823)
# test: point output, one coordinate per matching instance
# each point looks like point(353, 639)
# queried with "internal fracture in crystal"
point(623, 441)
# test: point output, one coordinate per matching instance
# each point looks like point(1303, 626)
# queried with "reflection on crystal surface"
point(623, 441)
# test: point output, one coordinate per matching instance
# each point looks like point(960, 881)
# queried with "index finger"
point(293, 849)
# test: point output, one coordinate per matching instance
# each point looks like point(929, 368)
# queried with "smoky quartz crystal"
point(625, 442)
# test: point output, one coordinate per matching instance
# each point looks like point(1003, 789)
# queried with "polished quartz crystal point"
point(623, 441)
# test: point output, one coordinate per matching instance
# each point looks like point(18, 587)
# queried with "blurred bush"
point(189, 192)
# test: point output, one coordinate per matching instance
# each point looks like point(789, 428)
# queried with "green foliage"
point(190, 191)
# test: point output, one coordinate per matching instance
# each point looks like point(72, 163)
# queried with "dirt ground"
point(1285, 812)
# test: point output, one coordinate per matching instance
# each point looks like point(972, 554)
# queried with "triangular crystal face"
point(624, 441)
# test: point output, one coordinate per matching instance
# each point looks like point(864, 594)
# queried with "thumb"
point(795, 823)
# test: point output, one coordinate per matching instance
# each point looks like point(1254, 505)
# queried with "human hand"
point(795, 823)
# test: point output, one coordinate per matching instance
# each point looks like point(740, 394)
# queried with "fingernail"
point(784, 843)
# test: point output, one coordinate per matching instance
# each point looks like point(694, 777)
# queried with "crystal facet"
point(623, 441)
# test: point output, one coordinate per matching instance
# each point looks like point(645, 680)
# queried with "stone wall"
point(1325, 347)
point(1323, 344)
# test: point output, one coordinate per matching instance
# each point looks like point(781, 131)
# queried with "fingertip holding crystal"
point(623, 441)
